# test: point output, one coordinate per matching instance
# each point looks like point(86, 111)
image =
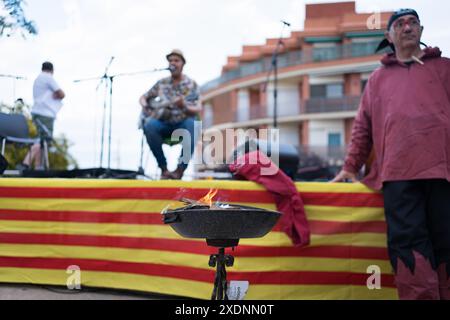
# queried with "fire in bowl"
point(220, 221)
point(231, 223)
point(222, 225)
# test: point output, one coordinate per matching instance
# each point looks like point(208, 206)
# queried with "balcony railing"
point(261, 112)
point(321, 105)
point(295, 58)
point(258, 112)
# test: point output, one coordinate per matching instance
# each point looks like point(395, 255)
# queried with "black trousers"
point(418, 219)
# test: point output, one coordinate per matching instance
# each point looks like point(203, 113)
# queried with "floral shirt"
point(165, 91)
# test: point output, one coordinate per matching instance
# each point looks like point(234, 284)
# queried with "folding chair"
point(14, 129)
point(3, 164)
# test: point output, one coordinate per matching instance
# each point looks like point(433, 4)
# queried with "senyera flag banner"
point(112, 232)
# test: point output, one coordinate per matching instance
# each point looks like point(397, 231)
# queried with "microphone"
point(286, 23)
point(171, 68)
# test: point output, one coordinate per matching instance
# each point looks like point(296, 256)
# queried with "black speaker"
point(288, 155)
point(3, 164)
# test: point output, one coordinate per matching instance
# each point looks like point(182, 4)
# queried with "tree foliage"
point(13, 19)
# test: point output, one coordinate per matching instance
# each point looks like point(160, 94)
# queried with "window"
point(334, 140)
point(208, 116)
point(334, 145)
point(335, 90)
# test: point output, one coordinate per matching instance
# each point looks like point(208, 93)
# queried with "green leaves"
point(12, 19)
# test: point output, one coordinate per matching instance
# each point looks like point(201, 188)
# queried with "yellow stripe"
point(243, 264)
point(192, 289)
point(113, 206)
point(202, 184)
point(321, 187)
point(79, 183)
point(323, 292)
point(150, 284)
point(92, 229)
point(275, 239)
point(303, 264)
point(344, 214)
point(279, 239)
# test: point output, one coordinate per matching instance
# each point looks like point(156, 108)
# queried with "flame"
point(209, 197)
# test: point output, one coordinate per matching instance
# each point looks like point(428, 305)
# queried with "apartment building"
point(322, 71)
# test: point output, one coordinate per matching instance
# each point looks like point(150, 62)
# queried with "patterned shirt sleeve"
point(193, 96)
point(153, 92)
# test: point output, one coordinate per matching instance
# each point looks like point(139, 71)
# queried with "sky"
point(81, 36)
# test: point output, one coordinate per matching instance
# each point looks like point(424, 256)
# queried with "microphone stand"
point(15, 78)
point(274, 70)
point(109, 83)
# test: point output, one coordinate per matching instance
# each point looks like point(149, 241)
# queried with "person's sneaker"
point(166, 175)
point(178, 174)
point(22, 167)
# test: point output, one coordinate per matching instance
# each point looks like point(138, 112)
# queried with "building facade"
point(322, 72)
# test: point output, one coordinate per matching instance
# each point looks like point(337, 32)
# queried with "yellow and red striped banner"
point(113, 231)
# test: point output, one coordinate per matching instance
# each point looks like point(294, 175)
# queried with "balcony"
point(258, 112)
point(262, 112)
point(294, 58)
point(322, 105)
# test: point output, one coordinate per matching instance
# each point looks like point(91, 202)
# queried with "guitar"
point(160, 109)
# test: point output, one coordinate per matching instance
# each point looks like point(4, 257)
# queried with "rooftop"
point(329, 23)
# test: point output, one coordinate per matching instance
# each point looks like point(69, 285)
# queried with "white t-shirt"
point(44, 104)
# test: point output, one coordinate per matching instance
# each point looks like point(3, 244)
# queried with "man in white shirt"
point(48, 96)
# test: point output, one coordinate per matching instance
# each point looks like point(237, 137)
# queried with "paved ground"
point(26, 292)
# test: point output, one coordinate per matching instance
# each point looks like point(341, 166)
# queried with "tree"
point(12, 18)
point(59, 156)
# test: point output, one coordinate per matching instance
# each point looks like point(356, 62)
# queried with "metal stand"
point(141, 170)
point(109, 81)
point(274, 70)
point(220, 262)
point(44, 141)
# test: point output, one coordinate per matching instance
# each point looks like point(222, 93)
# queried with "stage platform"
point(113, 231)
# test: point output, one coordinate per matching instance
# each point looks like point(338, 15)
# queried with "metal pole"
point(275, 93)
point(105, 108)
point(111, 80)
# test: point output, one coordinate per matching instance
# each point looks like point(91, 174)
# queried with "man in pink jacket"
point(404, 117)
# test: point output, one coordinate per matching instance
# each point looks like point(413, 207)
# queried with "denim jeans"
point(158, 131)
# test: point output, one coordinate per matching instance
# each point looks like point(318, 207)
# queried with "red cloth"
point(254, 166)
point(404, 115)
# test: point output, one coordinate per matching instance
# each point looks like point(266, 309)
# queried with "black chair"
point(14, 129)
point(3, 164)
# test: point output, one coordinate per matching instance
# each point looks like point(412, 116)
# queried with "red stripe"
point(135, 193)
point(374, 200)
point(330, 227)
point(336, 227)
point(309, 198)
point(317, 227)
point(194, 247)
point(187, 273)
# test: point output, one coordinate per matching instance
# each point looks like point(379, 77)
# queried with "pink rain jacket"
point(405, 116)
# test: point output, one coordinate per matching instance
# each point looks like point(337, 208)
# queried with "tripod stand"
point(220, 262)
point(108, 81)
